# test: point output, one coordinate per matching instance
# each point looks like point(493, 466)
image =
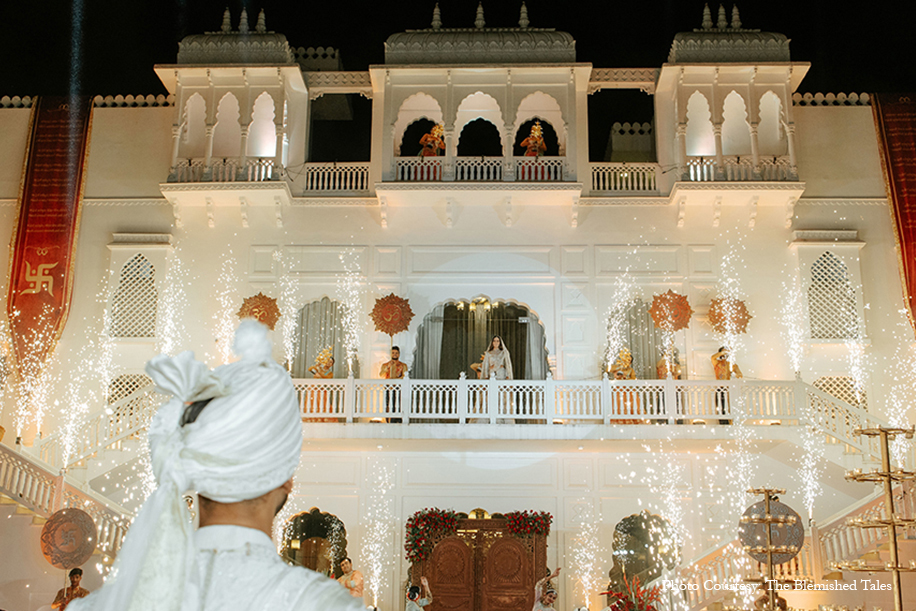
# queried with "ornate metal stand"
point(887, 476)
point(768, 519)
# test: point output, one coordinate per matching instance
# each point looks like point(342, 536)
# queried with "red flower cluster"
point(426, 526)
point(527, 523)
point(636, 598)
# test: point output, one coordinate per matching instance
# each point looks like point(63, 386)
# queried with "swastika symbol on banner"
point(39, 279)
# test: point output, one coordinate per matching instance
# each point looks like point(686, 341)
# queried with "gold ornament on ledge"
point(729, 315)
point(262, 308)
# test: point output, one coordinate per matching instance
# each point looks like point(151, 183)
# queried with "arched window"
point(736, 134)
point(227, 134)
point(843, 388)
point(316, 540)
point(410, 143)
point(701, 141)
point(479, 138)
point(262, 135)
point(832, 300)
point(133, 309)
point(418, 106)
point(194, 132)
point(771, 136)
point(549, 134)
point(320, 326)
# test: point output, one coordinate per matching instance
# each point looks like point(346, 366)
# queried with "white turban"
point(245, 443)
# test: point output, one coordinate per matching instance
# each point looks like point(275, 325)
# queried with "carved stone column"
point(720, 159)
point(508, 146)
point(448, 169)
point(176, 141)
point(278, 155)
point(208, 154)
point(682, 170)
point(793, 164)
point(755, 150)
point(242, 171)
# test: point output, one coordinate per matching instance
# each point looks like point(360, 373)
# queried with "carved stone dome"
point(725, 42)
point(242, 46)
point(480, 46)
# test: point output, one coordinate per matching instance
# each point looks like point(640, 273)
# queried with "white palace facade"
point(739, 186)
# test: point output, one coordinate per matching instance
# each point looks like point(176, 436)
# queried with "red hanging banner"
point(44, 242)
point(895, 119)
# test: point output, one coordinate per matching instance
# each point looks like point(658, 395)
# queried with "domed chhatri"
point(480, 44)
point(242, 46)
point(727, 42)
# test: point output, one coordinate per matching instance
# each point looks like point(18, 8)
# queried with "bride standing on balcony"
point(496, 361)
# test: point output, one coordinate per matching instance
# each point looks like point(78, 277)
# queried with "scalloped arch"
point(546, 108)
point(420, 105)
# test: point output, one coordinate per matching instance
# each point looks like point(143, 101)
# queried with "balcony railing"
point(481, 169)
point(337, 177)
point(255, 169)
point(739, 168)
point(625, 177)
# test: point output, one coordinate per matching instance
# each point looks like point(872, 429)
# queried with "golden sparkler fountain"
point(886, 476)
point(768, 519)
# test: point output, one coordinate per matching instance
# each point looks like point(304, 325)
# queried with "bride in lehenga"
point(496, 361)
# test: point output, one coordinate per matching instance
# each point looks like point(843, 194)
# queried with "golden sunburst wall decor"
point(729, 315)
point(670, 311)
point(391, 314)
point(262, 308)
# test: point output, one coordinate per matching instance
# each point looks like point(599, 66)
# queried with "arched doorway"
point(315, 540)
point(320, 327)
point(454, 335)
point(551, 141)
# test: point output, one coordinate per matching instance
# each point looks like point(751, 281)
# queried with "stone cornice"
point(852, 201)
point(723, 185)
point(330, 202)
point(508, 187)
point(625, 201)
point(126, 202)
point(643, 79)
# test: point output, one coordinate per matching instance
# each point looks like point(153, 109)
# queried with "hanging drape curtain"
point(429, 346)
point(643, 339)
point(465, 334)
point(320, 326)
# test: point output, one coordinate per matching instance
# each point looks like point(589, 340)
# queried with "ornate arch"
point(700, 139)
point(420, 105)
point(315, 537)
point(736, 135)
point(227, 132)
point(546, 108)
point(262, 134)
point(480, 105)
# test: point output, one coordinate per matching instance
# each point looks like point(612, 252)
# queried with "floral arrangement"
point(636, 598)
point(424, 527)
point(527, 523)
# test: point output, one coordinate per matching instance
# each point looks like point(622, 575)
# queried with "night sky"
point(868, 48)
point(109, 47)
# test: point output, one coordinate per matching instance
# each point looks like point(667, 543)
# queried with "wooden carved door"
point(483, 568)
point(451, 573)
point(506, 583)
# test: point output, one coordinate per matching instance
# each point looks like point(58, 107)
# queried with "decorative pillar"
point(208, 154)
point(278, 155)
point(793, 165)
point(755, 150)
point(242, 171)
point(682, 169)
point(448, 170)
point(720, 159)
point(508, 145)
point(176, 141)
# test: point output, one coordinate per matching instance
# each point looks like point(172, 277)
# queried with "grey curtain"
point(319, 327)
point(643, 339)
point(452, 338)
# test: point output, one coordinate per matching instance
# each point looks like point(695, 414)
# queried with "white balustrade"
point(418, 169)
point(229, 169)
point(35, 485)
point(539, 169)
point(739, 168)
point(625, 177)
point(479, 169)
point(337, 177)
